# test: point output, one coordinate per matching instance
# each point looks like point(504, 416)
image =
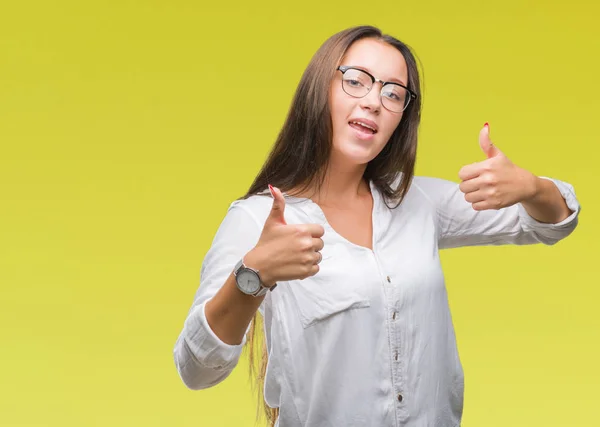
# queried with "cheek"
point(340, 108)
point(390, 128)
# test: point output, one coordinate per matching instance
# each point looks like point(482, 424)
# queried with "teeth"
point(363, 125)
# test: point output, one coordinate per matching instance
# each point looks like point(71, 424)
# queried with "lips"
point(361, 129)
point(364, 125)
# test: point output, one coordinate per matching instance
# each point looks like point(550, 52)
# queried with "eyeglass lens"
point(358, 84)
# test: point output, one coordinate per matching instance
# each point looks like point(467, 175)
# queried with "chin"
point(355, 155)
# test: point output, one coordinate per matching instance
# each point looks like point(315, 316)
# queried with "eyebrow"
point(392, 80)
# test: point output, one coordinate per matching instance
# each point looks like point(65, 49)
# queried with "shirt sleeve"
point(201, 357)
point(458, 224)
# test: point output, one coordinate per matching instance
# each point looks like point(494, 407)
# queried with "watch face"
point(248, 281)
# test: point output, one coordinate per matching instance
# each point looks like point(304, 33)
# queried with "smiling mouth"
point(362, 128)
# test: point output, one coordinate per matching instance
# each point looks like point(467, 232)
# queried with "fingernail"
point(487, 124)
point(271, 190)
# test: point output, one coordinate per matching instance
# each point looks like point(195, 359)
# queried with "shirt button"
point(394, 316)
point(388, 279)
point(400, 397)
point(396, 356)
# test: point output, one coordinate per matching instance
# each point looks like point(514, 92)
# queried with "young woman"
point(340, 256)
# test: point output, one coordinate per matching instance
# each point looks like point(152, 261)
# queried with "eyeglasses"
point(358, 83)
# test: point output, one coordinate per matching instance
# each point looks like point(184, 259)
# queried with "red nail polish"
point(272, 191)
point(487, 124)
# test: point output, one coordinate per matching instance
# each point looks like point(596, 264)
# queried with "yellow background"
point(127, 128)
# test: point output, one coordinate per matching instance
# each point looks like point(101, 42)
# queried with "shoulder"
point(428, 184)
point(256, 207)
point(430, 190)
point(423, 183)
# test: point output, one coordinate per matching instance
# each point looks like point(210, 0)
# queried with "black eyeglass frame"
point(344, 68)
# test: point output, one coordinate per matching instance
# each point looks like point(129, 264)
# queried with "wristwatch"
point(248, 280)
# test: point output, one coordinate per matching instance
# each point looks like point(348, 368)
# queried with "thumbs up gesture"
point(496, 182)
point(285, 251)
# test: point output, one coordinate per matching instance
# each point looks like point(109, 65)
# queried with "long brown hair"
point(300, 155)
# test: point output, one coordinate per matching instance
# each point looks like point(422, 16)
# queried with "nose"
point(372, 100)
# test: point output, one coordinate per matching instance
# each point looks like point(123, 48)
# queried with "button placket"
point(397, 368)
point(397, 363)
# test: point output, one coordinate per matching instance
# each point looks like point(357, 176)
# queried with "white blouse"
point(369, 340)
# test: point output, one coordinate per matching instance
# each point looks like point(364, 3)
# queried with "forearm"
point(210, 344)
point(230, 311)
point(546, 204)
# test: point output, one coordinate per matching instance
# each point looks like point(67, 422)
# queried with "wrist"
point(254, 259)
point(534, 187)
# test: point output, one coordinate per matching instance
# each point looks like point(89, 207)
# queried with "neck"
point(342, 186)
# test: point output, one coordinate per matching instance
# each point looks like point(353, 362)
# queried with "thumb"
point(486, 143)
point(276, 214)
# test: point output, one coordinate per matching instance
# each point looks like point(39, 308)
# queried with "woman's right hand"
point(285, 252)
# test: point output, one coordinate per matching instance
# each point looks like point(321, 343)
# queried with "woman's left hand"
point(496, 182)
